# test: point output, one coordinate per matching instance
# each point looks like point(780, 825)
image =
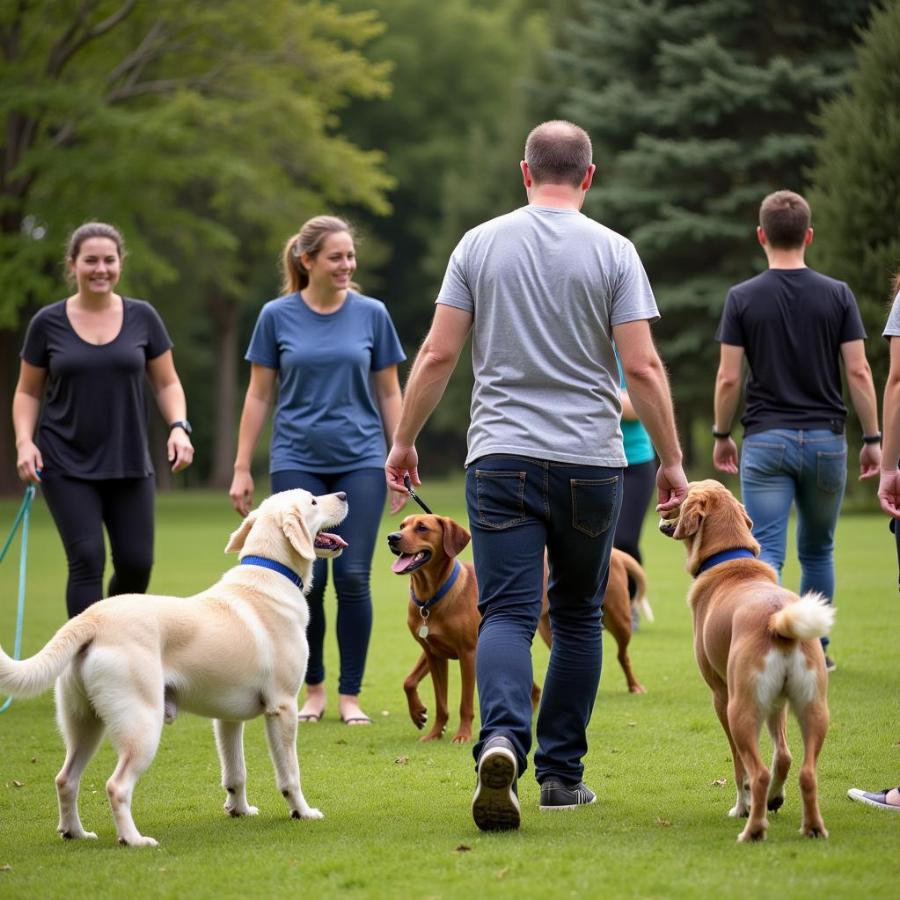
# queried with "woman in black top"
point(92, 353)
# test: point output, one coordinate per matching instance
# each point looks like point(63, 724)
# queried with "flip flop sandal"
point(310, 717)
point(357, 720)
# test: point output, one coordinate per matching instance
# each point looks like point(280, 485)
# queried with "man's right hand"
point(725, 455)
point(672, 487)
point(402, 460)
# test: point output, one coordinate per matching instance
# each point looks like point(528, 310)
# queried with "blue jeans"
point(518, 506)
point(366, 490)
point(807, 468)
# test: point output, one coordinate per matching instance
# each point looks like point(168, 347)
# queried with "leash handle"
point(407, 483)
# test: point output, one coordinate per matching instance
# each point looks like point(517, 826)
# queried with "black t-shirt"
point(94, 420)
point(791, 324)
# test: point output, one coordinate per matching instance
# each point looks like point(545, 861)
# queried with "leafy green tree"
point(856, 200)
point(698, 109)
point(207, 132)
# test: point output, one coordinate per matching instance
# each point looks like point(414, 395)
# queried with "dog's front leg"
point(417, 711)
point(439, 679)
point(281, 730)
point(467, 696)
point(230, 744)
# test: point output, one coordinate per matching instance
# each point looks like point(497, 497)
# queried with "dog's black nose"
point(341, 495)
point(393, 537)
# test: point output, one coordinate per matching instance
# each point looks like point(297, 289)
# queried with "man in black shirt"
point(794, 326)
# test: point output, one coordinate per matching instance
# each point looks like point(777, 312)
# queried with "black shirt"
point(791, 324)
point(94, 420)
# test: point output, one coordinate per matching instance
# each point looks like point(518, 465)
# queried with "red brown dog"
point(757, 645)
point(443, 615)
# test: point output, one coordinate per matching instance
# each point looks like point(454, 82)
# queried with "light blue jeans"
point(804, 467)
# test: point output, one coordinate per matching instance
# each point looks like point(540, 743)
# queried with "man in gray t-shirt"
point(545, 292)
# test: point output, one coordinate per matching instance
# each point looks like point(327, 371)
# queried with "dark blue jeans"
point(366, 490)
point(518, 506)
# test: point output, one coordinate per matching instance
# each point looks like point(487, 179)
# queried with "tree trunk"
point(224, 313)
point(9, 481)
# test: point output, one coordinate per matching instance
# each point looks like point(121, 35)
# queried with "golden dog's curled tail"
point(633, 568)
point(812, 616)
point(32, 676)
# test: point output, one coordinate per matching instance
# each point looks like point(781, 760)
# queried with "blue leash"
point(22, 518)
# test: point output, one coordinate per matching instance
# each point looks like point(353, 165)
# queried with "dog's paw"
point(814, 831)
point(773, 804)
point(739, 811)
point(140, 840)
point(308, 813)
point(238, 812)
point(69, 835)
point(462, 737)
point(757, 833)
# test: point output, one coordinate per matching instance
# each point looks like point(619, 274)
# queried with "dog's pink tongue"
point(402, 563)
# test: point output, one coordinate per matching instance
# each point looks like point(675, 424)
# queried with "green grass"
point(397, 811)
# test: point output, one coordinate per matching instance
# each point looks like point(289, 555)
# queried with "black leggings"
point(81, 507)
point(639, 481)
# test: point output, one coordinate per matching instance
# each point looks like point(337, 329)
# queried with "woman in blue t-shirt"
point(327, 357)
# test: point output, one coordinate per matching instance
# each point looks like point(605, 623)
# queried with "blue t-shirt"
point(326, 416)
point(636, 440)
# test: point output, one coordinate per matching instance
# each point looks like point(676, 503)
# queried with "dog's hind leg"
point(742, 801)
point(281, 731)
point(781, 758)
point(745, 727)
point(814, 726)
point(82, 730)
point(230, 744)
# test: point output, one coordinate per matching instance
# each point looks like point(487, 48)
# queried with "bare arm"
point(433, 366)
point(257, 403)
point(889, 486)
point(648, 389)
point(390, 404)
point(725, 404)
point(26, 408)
point(863, 398)
point(172, 404)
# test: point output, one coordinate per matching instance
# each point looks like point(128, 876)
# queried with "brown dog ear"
point(747, 520)
point(455, 537)
point(689, 518)
point(236, 541)
point(297, 532)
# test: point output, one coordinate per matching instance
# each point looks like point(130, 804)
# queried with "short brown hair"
point(308, 239)
point(784, 216)
point(558, 152)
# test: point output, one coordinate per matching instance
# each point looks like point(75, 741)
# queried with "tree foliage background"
point(209, 132)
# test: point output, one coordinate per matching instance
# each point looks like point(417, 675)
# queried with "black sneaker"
point(495, 806)
point(830, 664)
point(556, 795)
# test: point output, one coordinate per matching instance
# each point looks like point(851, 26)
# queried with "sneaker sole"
point(566, 807)
point(856, 794)
point(495, 806)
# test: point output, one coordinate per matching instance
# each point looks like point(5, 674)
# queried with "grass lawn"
point(397, 811)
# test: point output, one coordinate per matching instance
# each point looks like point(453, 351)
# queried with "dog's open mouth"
point(409, 562)
point(327, 541)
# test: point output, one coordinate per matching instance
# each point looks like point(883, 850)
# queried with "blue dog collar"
point(261, 561)
point(425, 605)
point(725, 556)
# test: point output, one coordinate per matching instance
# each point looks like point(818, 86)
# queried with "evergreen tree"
point(856, 200)
point(698, 109)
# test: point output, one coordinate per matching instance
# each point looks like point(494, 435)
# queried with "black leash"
point(408, 485)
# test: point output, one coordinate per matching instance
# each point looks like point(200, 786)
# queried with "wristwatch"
point(720, 435)
point(182, 424)
point(872, 438)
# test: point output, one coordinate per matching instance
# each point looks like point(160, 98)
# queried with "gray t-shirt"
point(892, 329)
point(545, 287)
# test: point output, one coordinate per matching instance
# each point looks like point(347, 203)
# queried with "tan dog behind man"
point(757, 645)
point(445, 620)
point(233, 652)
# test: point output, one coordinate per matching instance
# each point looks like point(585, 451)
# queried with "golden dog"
point(233, 652)
point(757, 647)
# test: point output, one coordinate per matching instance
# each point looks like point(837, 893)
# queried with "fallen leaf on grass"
point(463, 848)
point(632, 724)
point(6, 867)
point(385, 712)
point(14, 783)
point(663, 823)
point(401, 760)
point(719, 782)
point(502, 873)
point(34, 759)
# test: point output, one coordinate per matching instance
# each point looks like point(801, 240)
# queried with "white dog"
point(233, 652)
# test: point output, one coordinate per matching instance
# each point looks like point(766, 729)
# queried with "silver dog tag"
point(423, 631)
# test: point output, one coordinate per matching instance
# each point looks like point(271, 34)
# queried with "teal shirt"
point(638, 446)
